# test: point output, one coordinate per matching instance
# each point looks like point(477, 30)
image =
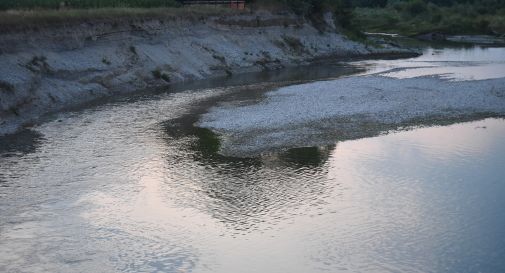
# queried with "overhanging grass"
point(16, 19)
point(84, 4)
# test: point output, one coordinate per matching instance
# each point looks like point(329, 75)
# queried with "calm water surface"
point(472, 63)
point(132, 186)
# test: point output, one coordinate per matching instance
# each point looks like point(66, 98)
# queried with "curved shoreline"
point(321, 112)
point(47, 70)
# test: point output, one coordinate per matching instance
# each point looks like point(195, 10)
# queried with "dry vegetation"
point(85, 4)
point(19, 19)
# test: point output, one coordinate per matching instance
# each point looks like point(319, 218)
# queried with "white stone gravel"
point(299, 115)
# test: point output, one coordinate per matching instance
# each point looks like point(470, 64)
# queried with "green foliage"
point(300, 7)
point(415, 7)
point(412, 17)
point(106, 61)
point(408, 17)
point(158, 74)
point(370, 3)
point(208, 143)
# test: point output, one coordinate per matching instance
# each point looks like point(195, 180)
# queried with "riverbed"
point(132, 185)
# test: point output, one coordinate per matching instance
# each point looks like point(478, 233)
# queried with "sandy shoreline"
point(319, 113)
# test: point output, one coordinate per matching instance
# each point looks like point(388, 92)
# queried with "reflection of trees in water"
point(12, 147)
point(244, 193)
point(307, 156)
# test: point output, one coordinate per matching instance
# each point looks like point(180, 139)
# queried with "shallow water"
point(132, 186)
point(471, 63)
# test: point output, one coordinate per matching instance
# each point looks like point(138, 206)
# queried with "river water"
point(131, 186)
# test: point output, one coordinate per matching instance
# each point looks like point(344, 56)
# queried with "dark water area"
point(132, 186)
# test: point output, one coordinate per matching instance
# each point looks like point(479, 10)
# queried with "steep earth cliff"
point(46, 69)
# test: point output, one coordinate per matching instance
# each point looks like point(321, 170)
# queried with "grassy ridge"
point(84, 4)
point(22, 19)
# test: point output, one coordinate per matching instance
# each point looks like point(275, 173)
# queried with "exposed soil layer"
point(47, 69)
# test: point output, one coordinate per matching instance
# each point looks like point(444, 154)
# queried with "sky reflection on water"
point(473, 63)
point(132, 186)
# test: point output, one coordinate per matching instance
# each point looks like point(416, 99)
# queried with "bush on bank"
point(414, 17)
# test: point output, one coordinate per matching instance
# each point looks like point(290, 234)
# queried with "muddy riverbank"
point(47, 69)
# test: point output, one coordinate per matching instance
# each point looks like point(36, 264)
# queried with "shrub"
point(416, 7)
point(133, 50)
point(5, 86)
point(158, 74)
point(105, 61)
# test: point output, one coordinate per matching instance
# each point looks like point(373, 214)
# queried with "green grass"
point(208, 142)
point(458, 19)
